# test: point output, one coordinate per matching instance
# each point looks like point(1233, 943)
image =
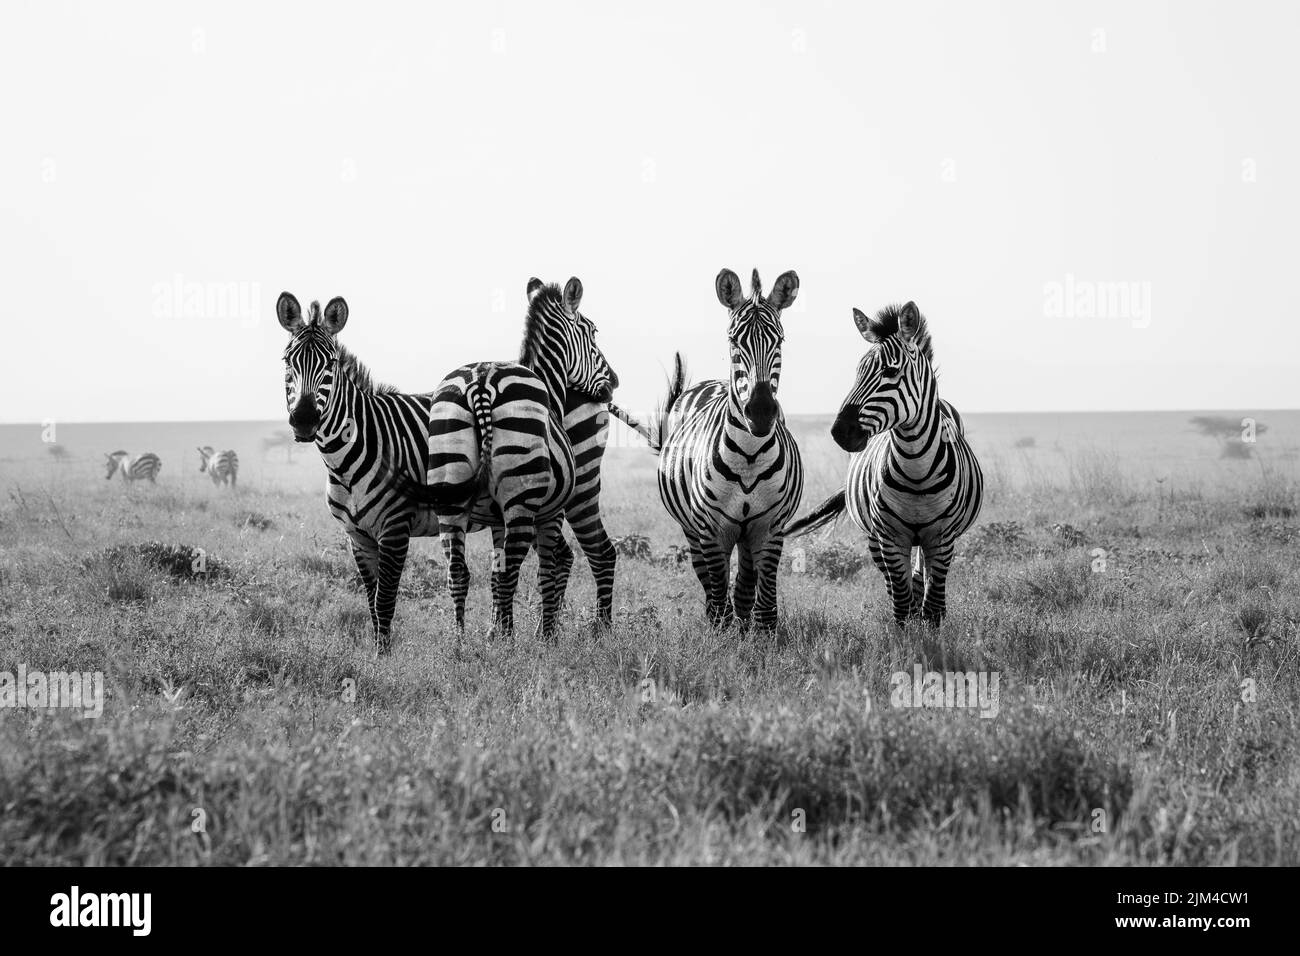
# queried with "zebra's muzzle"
point(760, 410)
point(848, 431)
point(304, 419)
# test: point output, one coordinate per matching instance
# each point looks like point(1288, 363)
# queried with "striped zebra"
point(913, 484)
point(729, 470)
point(133, 469)
point(367, 435)
point(516, 447)
point(222, 466)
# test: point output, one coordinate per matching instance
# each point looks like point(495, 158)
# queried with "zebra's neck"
point(918, 442)
point(549, 371)
point(345, 425)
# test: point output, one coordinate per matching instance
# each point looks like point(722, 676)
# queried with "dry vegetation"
point(247, 696)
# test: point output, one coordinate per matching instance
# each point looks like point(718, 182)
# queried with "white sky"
point(425, 160)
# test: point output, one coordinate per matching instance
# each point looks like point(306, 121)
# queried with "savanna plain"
point(1132, 582)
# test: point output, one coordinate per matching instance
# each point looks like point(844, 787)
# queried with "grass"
point(1148, 705)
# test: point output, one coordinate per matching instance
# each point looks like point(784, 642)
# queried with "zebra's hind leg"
point(768, 561)
point(937, 562)
point(554, 559)
point(918, 581)
point(519, 535)
point(453, 549)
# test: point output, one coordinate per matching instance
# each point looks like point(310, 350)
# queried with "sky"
point(1090, 203)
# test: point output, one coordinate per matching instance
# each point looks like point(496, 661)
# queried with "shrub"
point(837, 561)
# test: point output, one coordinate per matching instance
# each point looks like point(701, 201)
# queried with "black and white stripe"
point(914, 485)
point(500, 455)
point(134, 469)
point(729, 469)
point(222, 466)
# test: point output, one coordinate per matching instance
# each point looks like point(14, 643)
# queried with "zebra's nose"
point(613, 380)
point(304, 418)
point(846, 429)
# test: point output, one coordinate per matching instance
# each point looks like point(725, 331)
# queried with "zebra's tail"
point(826, 512)
point(633, 423)
point(481, 396)
point(676, 385)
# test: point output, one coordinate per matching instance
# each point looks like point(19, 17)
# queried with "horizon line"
point(254, 421)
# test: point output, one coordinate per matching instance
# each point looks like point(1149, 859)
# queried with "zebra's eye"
point(889, 371)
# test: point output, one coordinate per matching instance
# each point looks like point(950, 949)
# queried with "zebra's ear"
point(728, 286)
point(783, 293)
point(573, 295)
point(864, 326)
point(909, 322)
point(336, 316)
point(289, 312)
point(534, 286)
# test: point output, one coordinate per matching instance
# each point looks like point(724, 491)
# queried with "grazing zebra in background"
point(133, 469)
point(221, 466)
point(913, 481)
point(501, 454)
point(729, 470)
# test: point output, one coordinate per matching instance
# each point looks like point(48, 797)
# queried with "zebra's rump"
point(492, 435)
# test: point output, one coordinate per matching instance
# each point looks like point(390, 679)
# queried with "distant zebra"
point(729, 469)
point(221, 466)
point(371, 437)
point(494, 462)
point(133, 469)
point(914, 485)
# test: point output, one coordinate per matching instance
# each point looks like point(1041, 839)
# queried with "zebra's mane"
point(548, 298)
point(360, 376)
point(885, 324)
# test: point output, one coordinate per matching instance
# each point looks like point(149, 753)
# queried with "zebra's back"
point(146, 466)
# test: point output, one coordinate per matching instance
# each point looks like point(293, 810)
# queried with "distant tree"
point(58, 452)
point(281, 439)
point(1234, 435)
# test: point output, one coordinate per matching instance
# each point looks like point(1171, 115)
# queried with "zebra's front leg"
point(602, 558)
point(768, 562)
point(453, 549)
point(554, 559)
point(712, 566)
point(937, 563)
point(742, 594)
point(365, 552)
point(393, 545)
point(896, 565)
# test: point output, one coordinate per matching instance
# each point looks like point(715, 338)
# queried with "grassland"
point(1147, 709)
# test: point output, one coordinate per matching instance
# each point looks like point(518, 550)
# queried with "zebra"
point(368, 434)
point(914, 485)
point(133, 469)
point(729, 470)
point(546, 469)
point(221, 466)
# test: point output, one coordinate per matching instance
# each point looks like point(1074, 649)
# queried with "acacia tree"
point(1235, 435)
